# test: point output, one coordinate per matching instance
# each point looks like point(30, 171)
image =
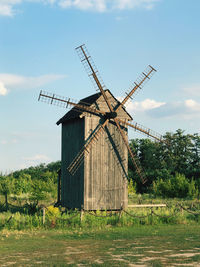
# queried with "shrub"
point(178, 186)
point(131, 187)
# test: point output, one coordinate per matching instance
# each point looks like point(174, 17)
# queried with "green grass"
point(151, 199)
point(119, 246)
point(23, 218)
point(112, 241)
point(72, 220)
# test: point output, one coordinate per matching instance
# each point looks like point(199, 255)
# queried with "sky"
point(37, 51)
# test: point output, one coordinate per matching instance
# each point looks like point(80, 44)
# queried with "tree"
point(177, 186)
point(194, 170)
point(22, 184)
point(161, 161)
point(6, 187)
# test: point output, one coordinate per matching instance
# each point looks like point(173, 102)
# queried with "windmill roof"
point(75, 113)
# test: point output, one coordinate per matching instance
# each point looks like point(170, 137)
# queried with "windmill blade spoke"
point(77, 161)
point(93, 73)
point(90, 67)
point(64, 102)
point(117, 152)
point(138, 167)
point(139, 83)
point(144, 130)
point(132, 155)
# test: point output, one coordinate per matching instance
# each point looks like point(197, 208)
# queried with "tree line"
point(32, 184)
point(172, 168)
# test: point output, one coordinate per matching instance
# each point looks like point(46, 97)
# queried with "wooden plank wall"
point(105, 180)
point(100, 183)
point(72, 187)
point(106, 167)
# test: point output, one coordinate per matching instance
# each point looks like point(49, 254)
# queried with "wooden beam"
point(146, 205)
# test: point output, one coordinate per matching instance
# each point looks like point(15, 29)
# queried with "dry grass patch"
point(140, 246)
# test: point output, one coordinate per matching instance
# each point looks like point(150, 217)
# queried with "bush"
point(178, 186)
point(131, 187)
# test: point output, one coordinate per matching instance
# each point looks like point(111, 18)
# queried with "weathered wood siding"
point(100, 183)
point(106, 166)
point(105, 170)
point(72, 187)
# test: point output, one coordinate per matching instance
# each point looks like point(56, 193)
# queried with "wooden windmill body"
point(100, 182)
point(95, 144)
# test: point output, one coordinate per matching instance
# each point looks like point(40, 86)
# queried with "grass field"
point(170, 245)
point(162, 238)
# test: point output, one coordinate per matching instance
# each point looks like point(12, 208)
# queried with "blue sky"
point(37, 44)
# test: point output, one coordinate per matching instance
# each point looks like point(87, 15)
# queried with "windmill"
point(95, 143)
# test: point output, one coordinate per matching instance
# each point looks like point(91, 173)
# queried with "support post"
point(121, 211)
point(43, 215)
point(82, 214)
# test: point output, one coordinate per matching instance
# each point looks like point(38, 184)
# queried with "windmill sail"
point(106, 117)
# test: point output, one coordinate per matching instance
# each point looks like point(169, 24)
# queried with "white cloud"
point(147, 104)
point(34, 160)
point(6, 142)
point(97, 5)
point(7, 7)
point(38, 157)
point(3, 89)
point(130, 4)
point(3, 142)
point(192, 90)
point(187, 109)
point(192, 105)
point(12, 81)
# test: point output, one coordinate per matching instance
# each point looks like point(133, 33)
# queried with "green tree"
point(194, 167)
point(22, 184)
point(6, 187)
point(177, 186)
point(161, 161)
